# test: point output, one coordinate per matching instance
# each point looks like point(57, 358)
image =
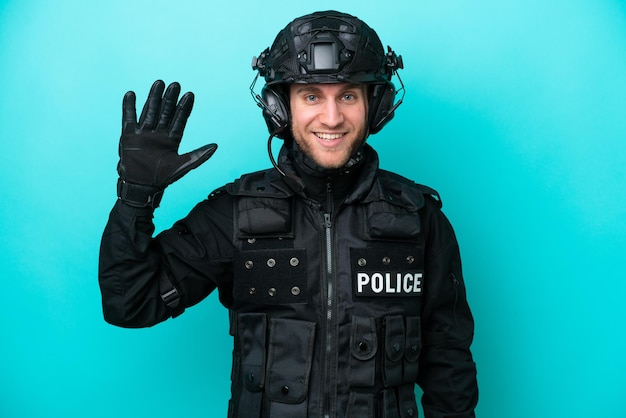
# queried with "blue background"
point(514, 112)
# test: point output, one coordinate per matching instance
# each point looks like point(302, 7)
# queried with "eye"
point(310, 98)
point(348, 97)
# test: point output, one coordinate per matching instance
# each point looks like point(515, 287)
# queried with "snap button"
point(410, 412)
point(362, 262)
point(362, 346)
point(249, 264)
point(271, 262)
point(252, 290)
point(284, 390)
point(251, 240)
point(251, 377)
point(295, 290)
point(272, 291)
point(396, 346)
point(294, 262)
point(410, 259)
point(386, 260)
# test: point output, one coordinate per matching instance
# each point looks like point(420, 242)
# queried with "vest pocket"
point(407, 402)
point(395, 341)
point(363, 347)
point(289, 360)
point(398, 402)
point(360, 405)
point(413, 349)
point(249, 365)
point(252, 328)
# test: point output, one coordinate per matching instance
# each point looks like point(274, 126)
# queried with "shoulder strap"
point(430, 193)
point(394, 180)
point(260, 184)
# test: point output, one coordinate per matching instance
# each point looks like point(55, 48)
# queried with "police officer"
point(343, 280)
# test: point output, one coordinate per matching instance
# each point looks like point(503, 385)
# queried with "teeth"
point(328, 137)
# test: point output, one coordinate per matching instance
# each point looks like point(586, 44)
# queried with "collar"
point(348, 183)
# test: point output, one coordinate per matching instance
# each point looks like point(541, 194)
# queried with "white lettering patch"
point(389, 283)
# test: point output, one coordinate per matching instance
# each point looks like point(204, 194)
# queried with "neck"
point(317, 179)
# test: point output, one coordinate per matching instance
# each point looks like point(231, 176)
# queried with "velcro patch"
point(271, 277)
point(393, 272)
point(387, 283)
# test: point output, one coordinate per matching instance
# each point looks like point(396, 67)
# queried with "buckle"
point(171, 298)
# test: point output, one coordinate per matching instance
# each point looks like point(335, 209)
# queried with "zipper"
point(330, 368)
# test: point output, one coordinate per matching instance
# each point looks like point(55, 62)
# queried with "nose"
point(331, 114)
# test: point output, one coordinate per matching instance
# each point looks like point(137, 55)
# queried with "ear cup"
point(275, 111)
point(381, 106)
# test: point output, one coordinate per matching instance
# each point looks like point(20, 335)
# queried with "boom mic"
point(294, 182)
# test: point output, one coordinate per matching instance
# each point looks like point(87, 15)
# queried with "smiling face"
point(328, 121)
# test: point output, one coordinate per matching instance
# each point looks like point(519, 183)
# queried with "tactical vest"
point(326, 312)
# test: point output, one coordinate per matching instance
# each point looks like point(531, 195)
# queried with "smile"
point(328, 137)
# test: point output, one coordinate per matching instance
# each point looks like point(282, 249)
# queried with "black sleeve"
point(194, 256)
point(447, 370)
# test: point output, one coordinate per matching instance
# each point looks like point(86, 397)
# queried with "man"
point(343, 281)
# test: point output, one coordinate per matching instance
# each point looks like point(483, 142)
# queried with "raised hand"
point(149, 159)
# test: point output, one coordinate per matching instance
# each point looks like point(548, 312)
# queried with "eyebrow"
point(311, 88)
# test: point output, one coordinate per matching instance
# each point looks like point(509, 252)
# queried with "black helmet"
point(326, 47)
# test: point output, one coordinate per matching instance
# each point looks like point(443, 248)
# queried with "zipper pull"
point(327, 222)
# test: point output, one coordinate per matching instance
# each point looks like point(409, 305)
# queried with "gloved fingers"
point(129, 112)
point(183, 110)
point(149, 114)
point(168, 106)
point(191, 160)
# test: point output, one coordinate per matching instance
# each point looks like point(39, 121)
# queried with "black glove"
point(149, 159)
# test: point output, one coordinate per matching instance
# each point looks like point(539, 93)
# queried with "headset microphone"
point(294, 182)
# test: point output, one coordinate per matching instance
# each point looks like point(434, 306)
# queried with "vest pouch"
point(395, 341)
point(399, 402)
point(389, 404)
point(290, 354)
point(407, 403)
point(251, 329)
point(363, 347)
point(264, 216)
point(413, 349)
point(360, 405)
point(388, 221)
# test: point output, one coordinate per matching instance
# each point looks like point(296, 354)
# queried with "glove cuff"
point(139, 196)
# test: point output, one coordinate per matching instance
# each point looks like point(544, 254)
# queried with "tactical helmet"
point(326, 47)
